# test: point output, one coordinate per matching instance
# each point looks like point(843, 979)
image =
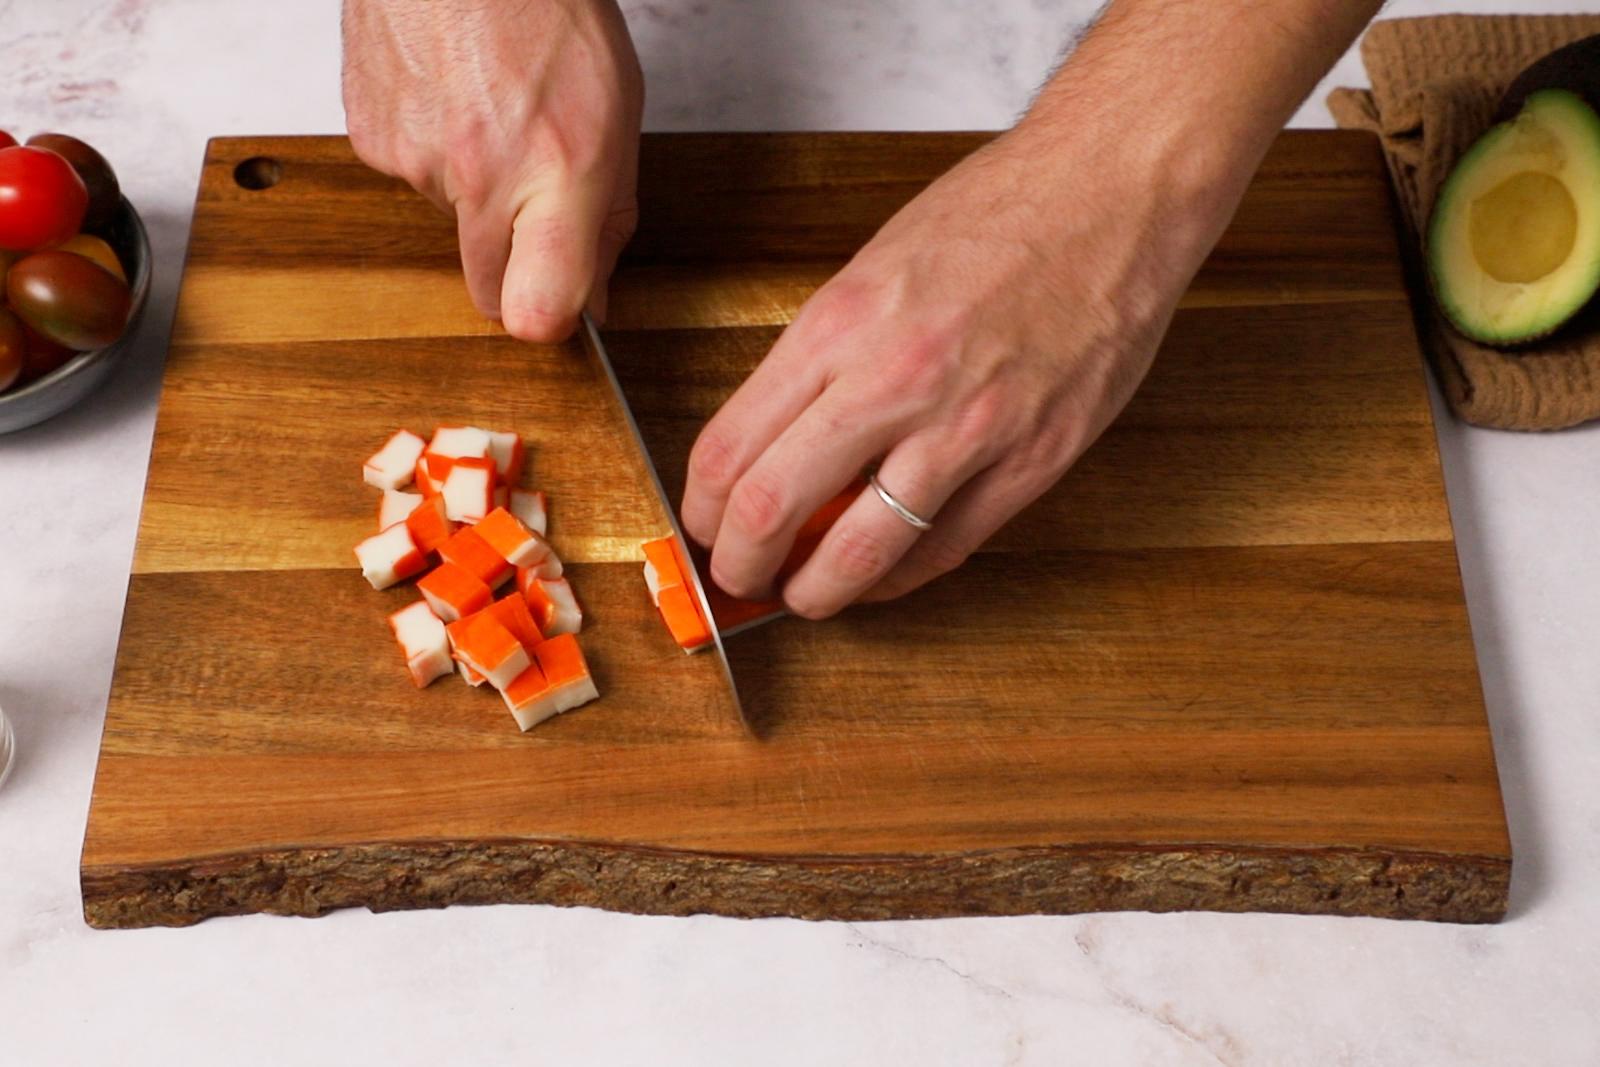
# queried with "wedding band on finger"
point(898, 508)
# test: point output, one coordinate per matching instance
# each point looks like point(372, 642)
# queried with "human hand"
point(522, 120)
point(975, 347)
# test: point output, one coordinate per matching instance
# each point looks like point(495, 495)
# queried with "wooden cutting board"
point(1225, 664)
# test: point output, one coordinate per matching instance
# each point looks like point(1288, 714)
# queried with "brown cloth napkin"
point(1435, 84)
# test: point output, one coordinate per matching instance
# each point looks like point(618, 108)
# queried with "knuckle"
point(713, 461)
point(859, 556)
point(940, 556)
point(758, 505)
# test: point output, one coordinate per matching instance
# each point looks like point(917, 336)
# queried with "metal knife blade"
point(591, 337)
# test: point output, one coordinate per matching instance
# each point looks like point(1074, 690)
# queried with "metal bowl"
point(79, 376)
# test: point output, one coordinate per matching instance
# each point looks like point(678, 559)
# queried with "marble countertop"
point(148, 81)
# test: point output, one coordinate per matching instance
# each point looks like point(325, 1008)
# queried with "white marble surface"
point(148, 81)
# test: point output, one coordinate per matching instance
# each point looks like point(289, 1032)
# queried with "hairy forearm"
point(1185, 96)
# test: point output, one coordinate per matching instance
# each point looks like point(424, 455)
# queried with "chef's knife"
point(591, 337)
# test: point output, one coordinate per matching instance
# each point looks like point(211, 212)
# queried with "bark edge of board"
point(1055, 881)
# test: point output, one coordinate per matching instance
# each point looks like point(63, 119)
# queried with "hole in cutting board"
point(258, 172)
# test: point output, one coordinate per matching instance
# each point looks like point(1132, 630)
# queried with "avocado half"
point(1514, 242)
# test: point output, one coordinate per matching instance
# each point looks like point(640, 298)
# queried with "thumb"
point(555, 241)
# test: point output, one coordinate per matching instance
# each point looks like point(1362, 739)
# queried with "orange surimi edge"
point(467, 548)
point(453, 591)
point(506, 534)
point(428, 524)
point(666, 568)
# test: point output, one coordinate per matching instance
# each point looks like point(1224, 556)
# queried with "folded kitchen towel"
point(1435, 84)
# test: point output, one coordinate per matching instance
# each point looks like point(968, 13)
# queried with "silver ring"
point(898, 508)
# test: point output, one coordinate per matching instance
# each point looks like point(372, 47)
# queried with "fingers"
point(555, 242)
point(870, 539)
point(485, 238)
point(970, 517)
point(769, 401)
point(818, 455)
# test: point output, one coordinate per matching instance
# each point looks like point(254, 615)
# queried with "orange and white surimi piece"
point(468, 510)
point(423, 642)
point(392, 465)
point(390, 556)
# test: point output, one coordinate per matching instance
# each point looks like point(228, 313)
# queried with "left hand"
point(974, 348)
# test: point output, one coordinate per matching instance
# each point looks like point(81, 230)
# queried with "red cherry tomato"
point(43, 356)
point(42, 199)
point(6, 140)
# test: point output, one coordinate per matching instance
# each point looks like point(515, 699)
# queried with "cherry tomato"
point(13, 349)
point(43, 356)
point(105, 196)
point(42, 199)
point(93, 248)
point(6, 140)
point(68, 299)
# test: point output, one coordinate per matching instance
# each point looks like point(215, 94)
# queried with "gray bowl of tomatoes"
point(74, 273)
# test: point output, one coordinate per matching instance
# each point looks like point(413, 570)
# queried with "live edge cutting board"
point(1225, 664)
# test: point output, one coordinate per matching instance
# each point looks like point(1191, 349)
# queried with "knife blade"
point(597, 348)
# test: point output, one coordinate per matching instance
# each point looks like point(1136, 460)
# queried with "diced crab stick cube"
point(505, 448)
point(558, 681)
point(482, 643)
point(553, 606)
point(466, 549)
point(424, 642)
point(566, 671)
point(390, 556)
point(468, 489)
point(459, 442)
point(529, 506)
point(394, 506)
point(431, 473)
point(392, 465)
point(507, 535)
point(429, 525)
point(512, 611)
point(470, 676)
point(453, 591)
point(660, 567)
point(682, 616)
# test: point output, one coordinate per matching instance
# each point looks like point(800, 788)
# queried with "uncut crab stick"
point(424, 642)
point(389, 557)
point(392, 465)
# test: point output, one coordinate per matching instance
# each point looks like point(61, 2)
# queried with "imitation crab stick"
point(552, 604)
point(558, 681)
point(518, 545)
point(460, 442)
point(390, 556)
point(482, 643)
point(529, 506)
point(466, 548)
point(423, 641)
point(429, 525)
point(664, 575)
point(394, 506)
point(468, 489)
point(453, 591)
point(392, 465)
point(505, 448)
point(512, 611)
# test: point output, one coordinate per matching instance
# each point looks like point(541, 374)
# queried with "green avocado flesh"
point(1514, 242)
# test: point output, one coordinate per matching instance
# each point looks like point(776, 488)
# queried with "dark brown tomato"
point(98, 177)
point(42, 356)
point(13, 349)
point(68, 299)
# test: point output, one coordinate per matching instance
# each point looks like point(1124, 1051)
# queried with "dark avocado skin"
point(1575, 68)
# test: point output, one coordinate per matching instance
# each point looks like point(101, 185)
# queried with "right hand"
point(521, 120)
